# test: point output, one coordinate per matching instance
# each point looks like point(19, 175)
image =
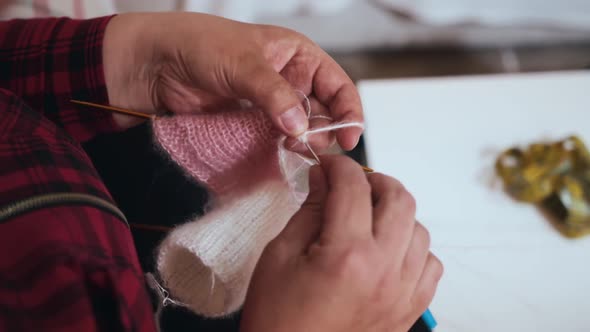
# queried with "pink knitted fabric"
point(226, 151)
point(206, 264)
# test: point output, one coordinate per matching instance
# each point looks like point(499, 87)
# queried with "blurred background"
point(355, 26)
point(392, 38)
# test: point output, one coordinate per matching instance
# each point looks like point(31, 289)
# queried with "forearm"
point(49, 61)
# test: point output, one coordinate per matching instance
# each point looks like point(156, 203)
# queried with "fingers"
point(336, 90)
point(395, 227)
point(426, 288)
point(322, 77)
point(416, 256)
point(320, 142)
point(267, 89)
point(304, 227)
point(393, 213)
point(311, 70)
point(348, 210)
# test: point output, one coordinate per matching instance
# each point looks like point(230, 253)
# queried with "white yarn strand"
point(307, 103)
point(291, 168)
point(163, 294)
point(304, 138)
point(163, 297)
point(319, 116)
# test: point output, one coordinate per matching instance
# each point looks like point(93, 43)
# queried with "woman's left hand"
point(190, 62)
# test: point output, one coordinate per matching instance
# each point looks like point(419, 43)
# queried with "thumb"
point(267, 89)
point(304, 227)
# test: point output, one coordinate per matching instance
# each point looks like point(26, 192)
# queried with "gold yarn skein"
point(554, 176)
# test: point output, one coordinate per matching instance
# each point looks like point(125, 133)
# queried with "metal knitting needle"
point(151, 117)
point(315, 156)
point(114, 109)
point(367, 169)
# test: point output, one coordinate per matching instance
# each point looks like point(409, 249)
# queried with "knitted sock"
point(207, 263)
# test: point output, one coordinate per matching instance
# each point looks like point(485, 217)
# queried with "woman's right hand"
point(353, 258)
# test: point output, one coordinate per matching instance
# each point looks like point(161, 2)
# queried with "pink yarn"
point(227, 151)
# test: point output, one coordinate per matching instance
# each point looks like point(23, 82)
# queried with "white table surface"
point(506, 267)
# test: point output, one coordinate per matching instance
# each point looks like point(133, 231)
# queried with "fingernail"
point(294, 121)
point(356, 142)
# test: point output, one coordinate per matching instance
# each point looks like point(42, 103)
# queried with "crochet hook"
point(150, 117)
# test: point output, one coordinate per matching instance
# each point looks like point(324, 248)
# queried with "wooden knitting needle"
point(146, 116)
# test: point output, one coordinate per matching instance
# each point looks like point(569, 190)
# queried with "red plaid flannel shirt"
point(66, 266)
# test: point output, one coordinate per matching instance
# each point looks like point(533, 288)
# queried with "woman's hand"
point(189, 62)
point(352, 259)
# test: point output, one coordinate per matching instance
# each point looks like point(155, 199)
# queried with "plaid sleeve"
point(49, 61)
point(67, 266)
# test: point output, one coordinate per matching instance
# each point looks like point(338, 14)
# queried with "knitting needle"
point(367, 169)
point(146, 116)
point(315, 156)
point(114, 109)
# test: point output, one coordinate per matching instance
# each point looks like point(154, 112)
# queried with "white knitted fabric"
point(206, 264)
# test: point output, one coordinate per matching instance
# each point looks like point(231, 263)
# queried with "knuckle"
point(381, 182)
point(354, 191)
point(397, 195)
point(350, 264)
point(338, 161)
point(353, 188)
